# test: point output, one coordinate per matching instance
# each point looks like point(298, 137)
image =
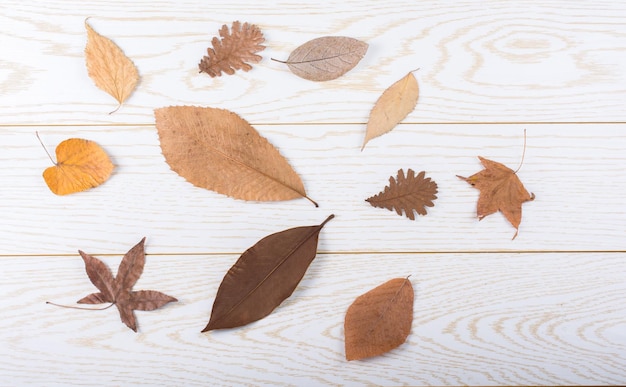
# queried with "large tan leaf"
point(392, 107)
point(379, 320)
point(218, 150)
point(108, 66)
point(326, 58)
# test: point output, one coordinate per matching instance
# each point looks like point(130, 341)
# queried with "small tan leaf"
point(392, 107)
point(237, 47)
point(410, 193)
point(379, 320)
point(326, 58)
point(264, 276)
point(218, 150)
point(108, 66)
point(81, 164)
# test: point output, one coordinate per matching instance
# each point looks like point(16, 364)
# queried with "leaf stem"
point(522, 160)
point(311, 200)
point(78, 307)
point(327, 219)
point(44, 148)
point(278, 60)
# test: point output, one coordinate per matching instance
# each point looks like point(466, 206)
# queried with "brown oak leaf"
point(118, 290)
point(379, 320)
point(408, 193)
point(237, 47)
point(500, 190)
point(264, 276)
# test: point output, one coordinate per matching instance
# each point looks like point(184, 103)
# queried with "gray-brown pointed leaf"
point(264, 276)
point(326, 58)
point(379, 320)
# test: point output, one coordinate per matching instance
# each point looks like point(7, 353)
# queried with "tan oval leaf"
point(392, 107)
point(108, 66)
point(264, 276)
point(379, 320)
point(326, 58)
point(81, 164)
point(218, 150)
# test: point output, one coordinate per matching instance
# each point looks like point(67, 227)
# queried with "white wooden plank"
point(576, 172)
point(489, 61)
point(478, 319)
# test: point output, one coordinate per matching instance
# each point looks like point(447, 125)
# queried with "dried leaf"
point(392, 107)
point(500, 190)
point(237, 47)
point(81, 164)
point(264, 276)
point(326, 58)
point(410, 193)
point(118, 289)
point(379, 320)
point(218, 150)
point(109, 68)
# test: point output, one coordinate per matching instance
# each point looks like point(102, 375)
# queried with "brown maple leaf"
point(237, 47)
point(500, 190)
point(410, 193)
point(118, 290)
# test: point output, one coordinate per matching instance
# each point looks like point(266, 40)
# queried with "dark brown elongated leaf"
point(326, 58)
point(379, 320)
point(264, 276)
point(236, 48)
point(408, 194)
point(118, 290)
point(218, 150)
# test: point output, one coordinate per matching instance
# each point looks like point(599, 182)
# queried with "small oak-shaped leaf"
point(379, 320)
point(500, 190)
point(264, 276)
point(326, 58)
point(392, 107)
point(109, 68)
point(408, 193)
point(118, 290)
point(237, 47)
point(218, 150)
point(81, 164)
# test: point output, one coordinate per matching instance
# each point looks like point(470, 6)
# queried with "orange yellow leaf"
point(81, 164)
point(392, 107)
point(108, 66)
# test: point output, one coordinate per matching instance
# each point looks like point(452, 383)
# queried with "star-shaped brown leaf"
point(118, 290)
point(500, 190)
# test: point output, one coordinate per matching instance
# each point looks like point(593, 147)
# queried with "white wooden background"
point(545, 308)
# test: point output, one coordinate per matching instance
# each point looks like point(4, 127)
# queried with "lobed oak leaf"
point(392, 107)
point(81, 164)
point(237, 47)
point(118, 290)
point(379, 320)
point(325, 58)
point(500, 190)
point(408, 193)
point(218, 150)
point(264, 276)
point(109, 68)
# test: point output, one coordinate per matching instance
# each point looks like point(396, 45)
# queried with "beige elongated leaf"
point(392, 107)
point(218, 150)
point(109, 68)
point(379, 320)
point(326, 58)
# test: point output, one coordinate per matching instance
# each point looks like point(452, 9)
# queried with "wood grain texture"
point(490, 61)
point(478, 319)
point(575, 171)
point(546, 308)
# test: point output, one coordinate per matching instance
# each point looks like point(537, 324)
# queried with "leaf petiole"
point(78, 307)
